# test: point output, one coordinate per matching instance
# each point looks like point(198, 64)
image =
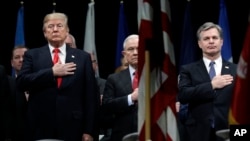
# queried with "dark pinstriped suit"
point(204, 103)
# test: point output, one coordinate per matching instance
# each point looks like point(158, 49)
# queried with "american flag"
point(157, 73)
point(239, 113)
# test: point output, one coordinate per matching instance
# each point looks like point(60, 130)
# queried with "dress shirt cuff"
point(130, 101)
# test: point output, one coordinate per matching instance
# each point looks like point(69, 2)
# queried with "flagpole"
point(147, 97)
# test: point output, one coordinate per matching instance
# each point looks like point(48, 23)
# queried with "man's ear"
point(44, 34)
point(123, 53)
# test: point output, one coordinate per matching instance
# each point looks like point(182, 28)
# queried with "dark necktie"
point(212, 70)
point(135, 80)
point(56, 52)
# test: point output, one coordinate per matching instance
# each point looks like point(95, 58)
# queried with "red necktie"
point(55, 60)
point(135, 80)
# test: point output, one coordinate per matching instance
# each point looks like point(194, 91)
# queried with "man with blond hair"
point(63, 96)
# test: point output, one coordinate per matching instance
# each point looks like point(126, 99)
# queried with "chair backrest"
point(131, 137)
point(224, 134)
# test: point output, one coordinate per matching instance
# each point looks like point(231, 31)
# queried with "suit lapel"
point(225, 68)
point(127, 80)
point(202, 70)
point(70, 57)
point(45, 53)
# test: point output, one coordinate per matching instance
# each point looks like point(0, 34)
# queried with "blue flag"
point(121, 35)
point(188, 52)
point(223, 22)
point(19, 39)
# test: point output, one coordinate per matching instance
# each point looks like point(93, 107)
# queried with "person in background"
point(7, 113)
point(100, 81)
point(70, 40)
point(124, 65)
point(207, 87)
point(101, 84)
point(17, 58)
point(62, 87)
point(17, 61)
point(119, 97)
point(19, 98)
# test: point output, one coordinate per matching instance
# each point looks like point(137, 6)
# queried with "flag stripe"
point(154, 32)
point(239, 113)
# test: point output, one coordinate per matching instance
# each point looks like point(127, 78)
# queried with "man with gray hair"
point(207, 87)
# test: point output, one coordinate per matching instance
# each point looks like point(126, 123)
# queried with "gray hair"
point(129, 37)
point(208, 25)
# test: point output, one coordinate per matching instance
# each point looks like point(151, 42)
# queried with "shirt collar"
point(207, 61)
point(61, 48)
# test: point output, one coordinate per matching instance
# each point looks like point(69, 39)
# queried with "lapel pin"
point(73, 56)
point(227, 67)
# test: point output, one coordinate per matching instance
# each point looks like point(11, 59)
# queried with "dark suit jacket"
point(65, 113)
point(19, 108)
point(7, 108)
point(205, 104)
point(101, 84)
point(115, 100)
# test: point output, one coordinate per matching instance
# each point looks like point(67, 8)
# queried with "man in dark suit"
point(66, 110)
point(119, 98)
point(208, 96)
point(19, 99)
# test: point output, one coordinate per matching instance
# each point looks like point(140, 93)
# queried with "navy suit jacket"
point(115, 102)
point(205, 104)
point(7, 108)
point(59, 113)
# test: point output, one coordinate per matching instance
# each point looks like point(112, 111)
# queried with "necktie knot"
point(56, 55)
point(56, 50)
point(212, 63)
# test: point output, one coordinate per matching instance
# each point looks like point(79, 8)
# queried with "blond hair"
point(55, 15)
